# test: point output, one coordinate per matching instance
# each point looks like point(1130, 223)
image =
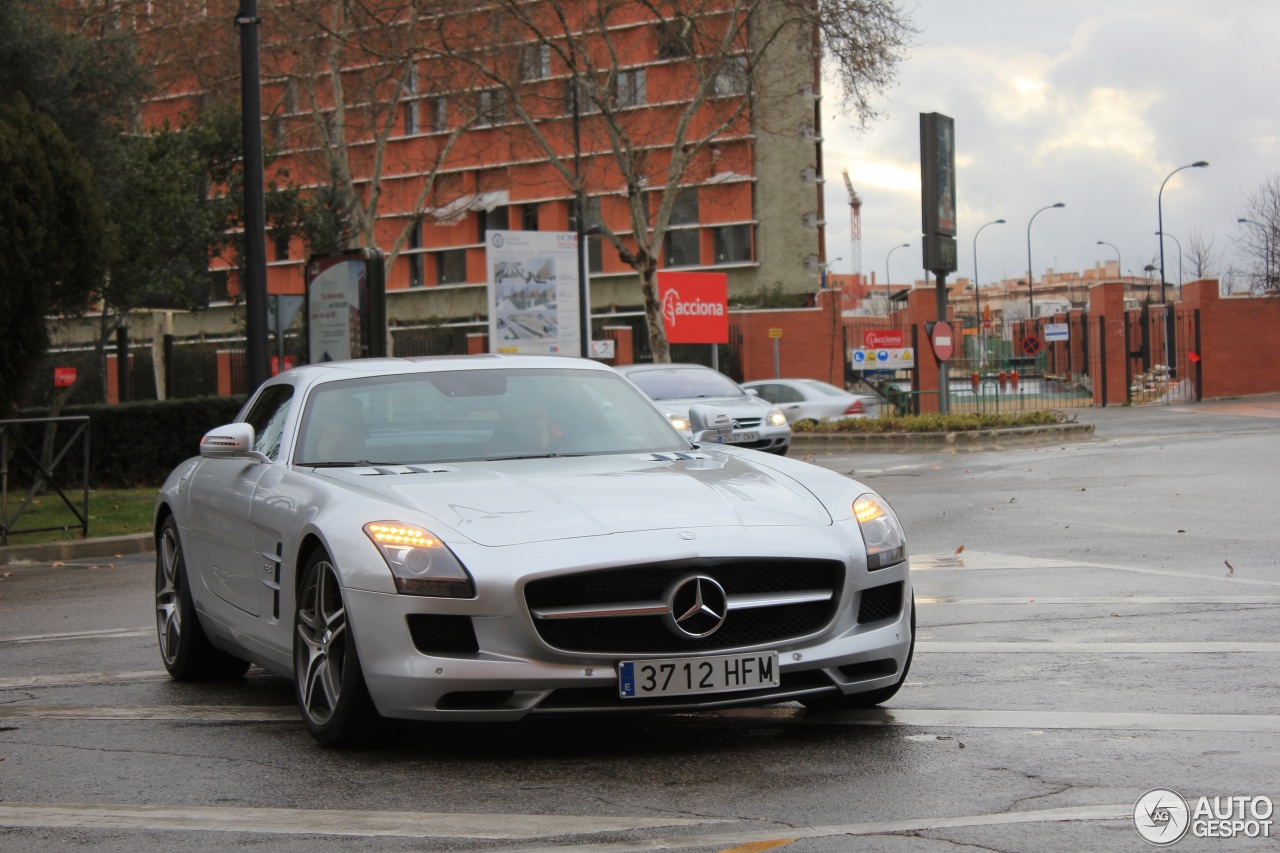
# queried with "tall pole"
point(1119, 263)
point(1031, 302)
point(888, 286)
point(255, 229)
point(977, 299)
point(1199, 164)
point(580, 208)
point(1177, 243)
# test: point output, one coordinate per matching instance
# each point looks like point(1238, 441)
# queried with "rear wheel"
point(184, 647)
point(328, 681)
point(870, 698)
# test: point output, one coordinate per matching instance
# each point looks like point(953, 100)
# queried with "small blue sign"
point(882, 355)
point(627, 679)
point(859, 357)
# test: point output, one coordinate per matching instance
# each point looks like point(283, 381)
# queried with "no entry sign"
point(943, 341)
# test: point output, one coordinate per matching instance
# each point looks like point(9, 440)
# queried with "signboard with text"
point(345, 306)
point(695, 306)
point(882, 359)
point(534, 303)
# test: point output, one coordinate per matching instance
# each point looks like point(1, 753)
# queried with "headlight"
point(775, 417)
point(679, 422)
point(885, 541)
point(419, 561)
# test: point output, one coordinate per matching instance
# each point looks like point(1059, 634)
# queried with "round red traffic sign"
point(943, 342)
point(1030, 345)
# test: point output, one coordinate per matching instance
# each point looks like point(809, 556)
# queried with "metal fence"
point(25, 465)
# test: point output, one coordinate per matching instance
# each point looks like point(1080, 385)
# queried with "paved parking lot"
point(1096, 620)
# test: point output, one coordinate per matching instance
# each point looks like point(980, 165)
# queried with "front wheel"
point(328, 681)
point(870, 698)
point(184, 647)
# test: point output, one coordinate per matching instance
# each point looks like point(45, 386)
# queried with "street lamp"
point(825, 268)
point(888, 286)
point(1199, 164)
point(977, 299)
point(1177, 243)
point(1031, 304)
point(1119, 263)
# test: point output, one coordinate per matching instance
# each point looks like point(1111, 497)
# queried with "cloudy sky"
point(1087, 103)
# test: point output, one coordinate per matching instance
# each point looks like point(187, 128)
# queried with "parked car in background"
point(489, 537)
point(675, 387)
point(812, 400)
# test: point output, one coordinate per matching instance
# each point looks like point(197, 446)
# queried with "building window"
point(415, 257)
point(219, 286)
point(451, 266)
point(594, 217)
point(595, 254)
point(682, 248)
point(586, 103)
point(535, 62)
point(439, 115)
point(412, 105)
point(732, 244)
point(733, 78)
point(491, 107)
point(628, 89)
point(281, 245)
point(685, 209)
point(493, 220)
point(529, 217)
point(675, 38)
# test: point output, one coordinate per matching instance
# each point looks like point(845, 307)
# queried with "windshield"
point(459, 415)
point(824, 388)
point(685, 383)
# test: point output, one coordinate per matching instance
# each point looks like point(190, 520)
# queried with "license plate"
point(688, 676)
point(739, 437)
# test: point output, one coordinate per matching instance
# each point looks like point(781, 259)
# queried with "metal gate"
point(1162, 363)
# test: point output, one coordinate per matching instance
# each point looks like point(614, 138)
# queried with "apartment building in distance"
point(449, 125)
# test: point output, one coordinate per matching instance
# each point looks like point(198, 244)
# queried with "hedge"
point(130, 444)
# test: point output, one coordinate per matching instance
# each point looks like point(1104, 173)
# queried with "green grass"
point(112, 512)
point(935, 423)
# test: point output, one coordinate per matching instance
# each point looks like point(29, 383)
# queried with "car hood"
point(536, 500)
point(740, 407)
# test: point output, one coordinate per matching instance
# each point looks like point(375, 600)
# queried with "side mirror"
point(708, 423)
point(753, 392)
point(233, 441)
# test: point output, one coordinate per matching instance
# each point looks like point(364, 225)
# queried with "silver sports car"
point(486, 537)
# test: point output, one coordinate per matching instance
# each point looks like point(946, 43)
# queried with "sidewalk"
point(77, 549)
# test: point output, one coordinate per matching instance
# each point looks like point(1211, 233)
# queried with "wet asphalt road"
point(1082, 640)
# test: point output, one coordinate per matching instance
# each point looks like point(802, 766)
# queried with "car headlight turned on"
point(679, 422)
point(775, 417)
point(420, 563)
point(885, 541)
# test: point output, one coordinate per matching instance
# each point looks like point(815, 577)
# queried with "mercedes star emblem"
point(696, 606)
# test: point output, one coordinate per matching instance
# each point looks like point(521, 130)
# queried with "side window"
point(267, 417)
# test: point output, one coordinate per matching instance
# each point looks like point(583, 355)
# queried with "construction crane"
point(855, 226)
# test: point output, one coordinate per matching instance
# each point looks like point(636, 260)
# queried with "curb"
point(952, 442)
point(77, 549)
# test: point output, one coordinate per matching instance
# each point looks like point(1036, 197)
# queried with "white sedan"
point(812, 400)
point(489, 537)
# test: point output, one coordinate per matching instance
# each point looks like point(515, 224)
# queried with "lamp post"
point(1119, 263)
point(1177, 243)
point(888, 286)
point(1199, 164)
point(1031, 304)
point(977, 299)
point(1149, 269)
point(1266, 249)
point(257, 358)
point(826, 268)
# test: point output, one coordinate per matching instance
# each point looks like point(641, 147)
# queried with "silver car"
point(488, 537)
point(675, 387)
point(813, 400)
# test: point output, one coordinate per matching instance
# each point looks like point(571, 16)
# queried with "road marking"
point(986, 561)
point(199, 713)
point(498, 827)
point(1108, 599)
point(72, 679)
point(80, 635)
point(1055, 648)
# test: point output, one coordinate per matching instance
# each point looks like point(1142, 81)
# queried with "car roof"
point(359, 367)
point(636, 368)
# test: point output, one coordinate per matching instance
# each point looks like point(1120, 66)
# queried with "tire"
point(327, 677)
point(869, 698)
point(184, 647)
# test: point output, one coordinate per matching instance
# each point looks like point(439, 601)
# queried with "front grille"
point(880, 602)
point(747, 423)
point(442, 635)
point(647, 583)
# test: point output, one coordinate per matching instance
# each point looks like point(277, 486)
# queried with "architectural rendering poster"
point(533, 292)
point(335, 286)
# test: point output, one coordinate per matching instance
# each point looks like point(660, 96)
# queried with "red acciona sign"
point(695, 307)
point(883, 339)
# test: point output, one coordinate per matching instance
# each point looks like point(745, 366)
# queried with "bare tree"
point(1202, 258)
point(1260, 236)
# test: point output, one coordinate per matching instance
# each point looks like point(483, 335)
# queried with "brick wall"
point(1239, 354)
